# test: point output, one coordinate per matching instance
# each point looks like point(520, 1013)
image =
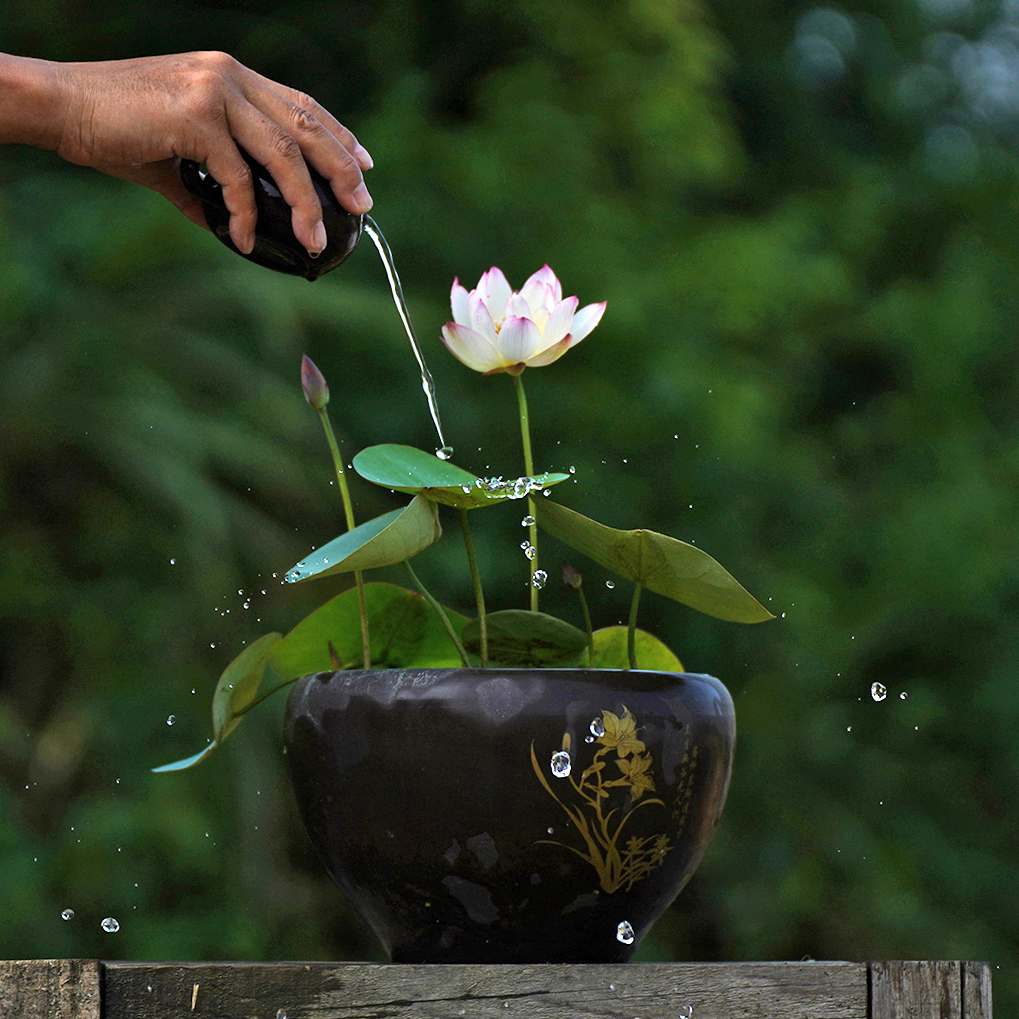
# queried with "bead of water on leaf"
point(624, 932)
point(67, 914)
point(173, 562)
point(110, 925)
point(610, 584)
point(573, 470)
point(903, 695)
point(171, 719)
point(281, 1013)
point(538, 578)
point(527, 521)
point(529, 550)
point(878, 691)
point(597, 727)
point(444, 453)
point(561, 764)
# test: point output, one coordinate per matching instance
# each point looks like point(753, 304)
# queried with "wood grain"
point(50, 989)
point(817, 990)
point(87, 989)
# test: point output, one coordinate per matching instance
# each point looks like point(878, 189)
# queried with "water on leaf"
point(171, 719)
point(67, 914)
point(528, 521)
point(878, 691)
point(597, 727)
point(539, 578)
point(624, 932)
point(110, 925)
point(561, 764)
point(427, 382)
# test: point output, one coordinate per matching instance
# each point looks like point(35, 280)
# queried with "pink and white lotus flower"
point(497, 329)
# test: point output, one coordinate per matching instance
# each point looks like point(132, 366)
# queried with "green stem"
point(631, 644)
point(440, 612)
point(587, 624)
point(348, 512)
point(268, 693)
point(525, 434)
point(479, 594)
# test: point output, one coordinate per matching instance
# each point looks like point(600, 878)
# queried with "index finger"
point(343, 134)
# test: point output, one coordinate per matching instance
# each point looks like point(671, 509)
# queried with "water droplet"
point(466, 489)
point(588, 739)
point(546, 493)
point(281, 1013)
point(173, 562)
point(444, 453)
point(624, 932)
point(67, 914)
point(110, 925)
point(561, 764)
point(903, 695)
point(550, 830)
point(171, 719)
point(878, 691)
point(528, 549)
point(527, 521)
point(573, 470)
point(610, 584)
point(597, 727)
point(539, 577)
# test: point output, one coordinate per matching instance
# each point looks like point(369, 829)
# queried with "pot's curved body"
point(510, 815)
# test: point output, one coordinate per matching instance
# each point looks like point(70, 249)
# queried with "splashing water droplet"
point(624, 932)
point(110, 925)
point(171, 719)
point(444, 453)
point(878, 691)
point(527, 521)
point(561, 764)
point(539, 577)
point(67, 914)
point(610, 584)
point(597, 727)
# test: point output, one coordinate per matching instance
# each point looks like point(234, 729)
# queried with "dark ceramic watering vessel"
point(276, 247)
point(506, 815)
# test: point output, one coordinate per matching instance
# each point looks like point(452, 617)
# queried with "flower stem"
point(440, 612)
point(348, 512)
point(587, 624)
point(525, 434)
point(631, 644)
point(479, 594)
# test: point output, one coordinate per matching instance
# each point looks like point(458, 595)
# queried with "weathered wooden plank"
point(976, 990)
point(816, 990)
point(50, 989)
point(916, 990)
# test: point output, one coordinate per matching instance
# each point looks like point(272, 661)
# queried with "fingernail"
point(364, 157)
point(362, 200)
point(318, 240)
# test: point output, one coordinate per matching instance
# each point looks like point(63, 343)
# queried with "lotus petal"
point(473, 349)
point(518, 340)
point(586, 319)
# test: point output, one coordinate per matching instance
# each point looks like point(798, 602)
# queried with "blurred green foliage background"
point(805, 222)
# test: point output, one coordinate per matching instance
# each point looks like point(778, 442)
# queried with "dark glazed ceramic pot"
point(276, 247)
point(510, 815)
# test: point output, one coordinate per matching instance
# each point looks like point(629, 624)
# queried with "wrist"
point(30, 102)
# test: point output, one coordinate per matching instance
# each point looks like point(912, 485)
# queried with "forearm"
point(31, 107)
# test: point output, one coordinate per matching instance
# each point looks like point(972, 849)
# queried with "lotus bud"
point(572, 576)
point(316, 390)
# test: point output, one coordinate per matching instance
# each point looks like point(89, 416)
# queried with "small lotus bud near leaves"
point(316, 390)
point(572, 576)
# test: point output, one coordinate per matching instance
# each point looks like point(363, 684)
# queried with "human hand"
point(136, 119)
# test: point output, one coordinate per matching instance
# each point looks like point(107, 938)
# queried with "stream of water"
point(445, 451)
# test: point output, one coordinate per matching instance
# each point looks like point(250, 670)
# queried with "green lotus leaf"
point(410, 470)
point(403, 631)
point(391, 538)
point(521, 639)
point(236, 691)
point(661, 564)
point(610, 651)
